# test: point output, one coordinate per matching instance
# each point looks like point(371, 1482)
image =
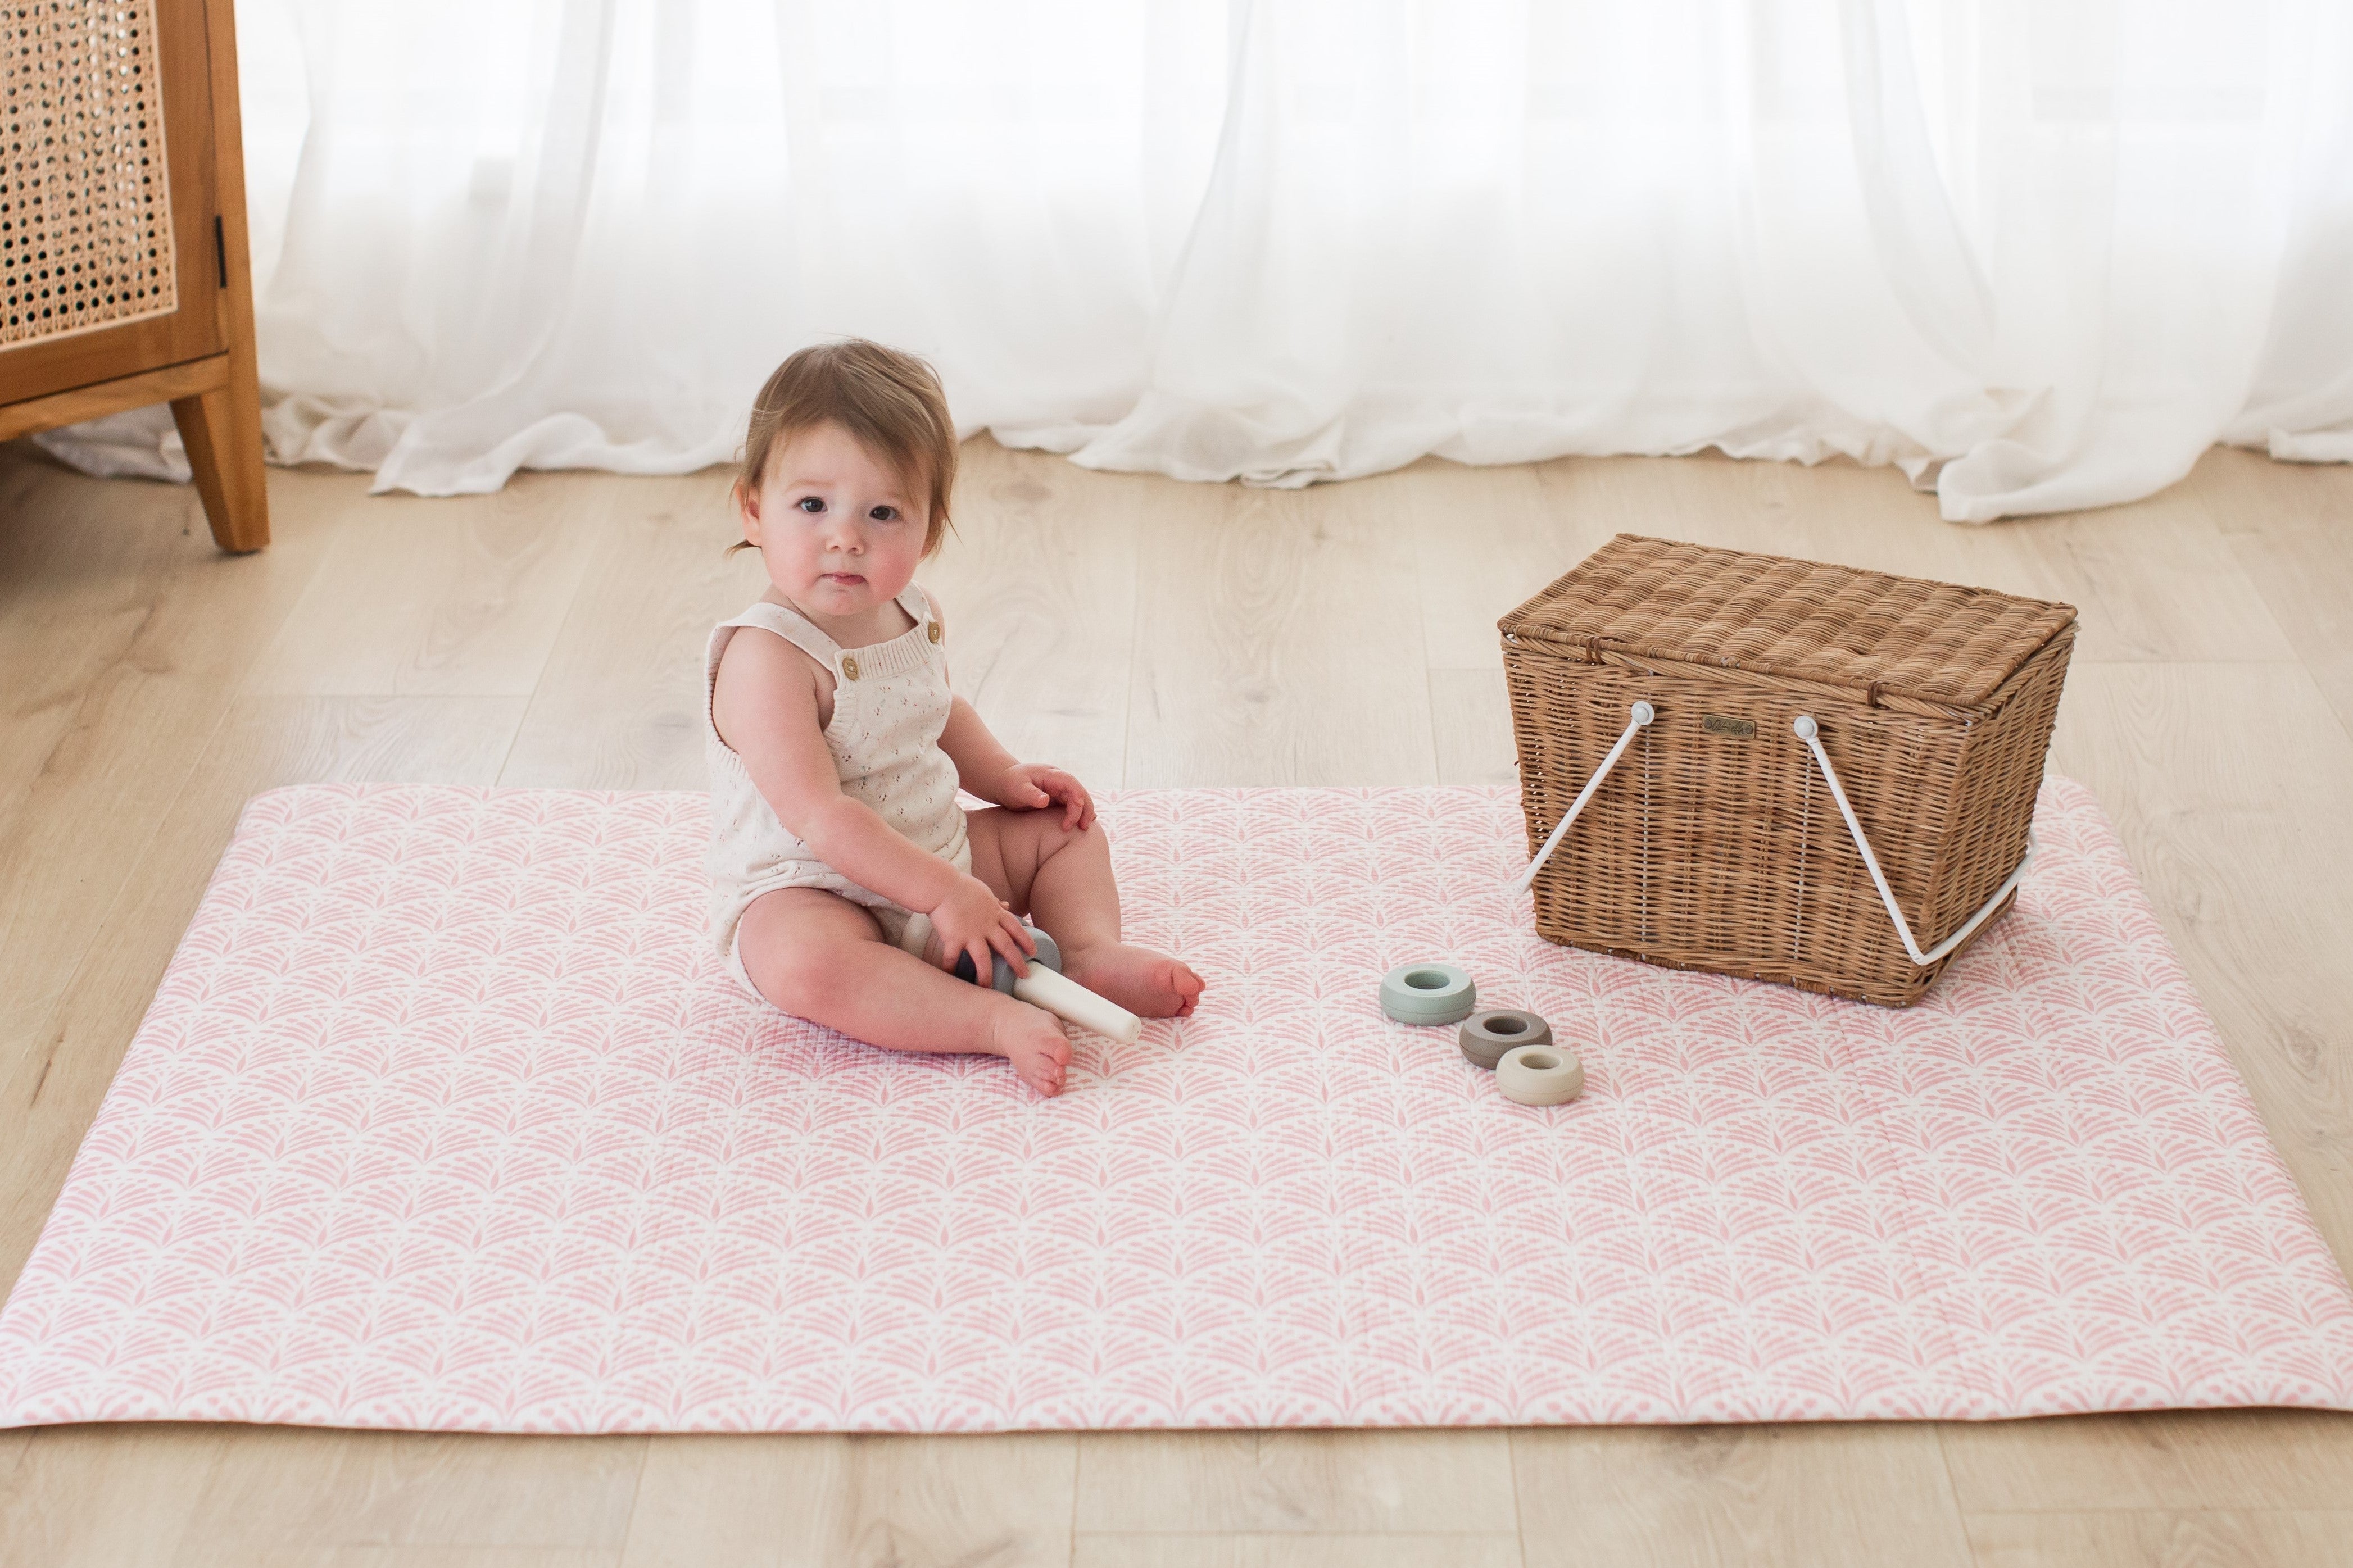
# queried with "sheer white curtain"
point(2041, 253)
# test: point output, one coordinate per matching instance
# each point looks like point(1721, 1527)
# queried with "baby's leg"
point(1061, 878)
point(820, 957)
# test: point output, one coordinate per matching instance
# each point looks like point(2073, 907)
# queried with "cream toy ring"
point(1539, 1075)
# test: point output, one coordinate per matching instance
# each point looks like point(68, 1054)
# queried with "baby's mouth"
point(843, 579)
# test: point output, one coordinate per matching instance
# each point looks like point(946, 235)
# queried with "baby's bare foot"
point(1147, 984)
point(1031, 1039)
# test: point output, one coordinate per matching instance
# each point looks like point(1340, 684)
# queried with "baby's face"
point(840, 530)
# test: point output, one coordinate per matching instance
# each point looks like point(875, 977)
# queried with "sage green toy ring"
point(1427, 994)
point(1539, 1075)
point(1485, 1035)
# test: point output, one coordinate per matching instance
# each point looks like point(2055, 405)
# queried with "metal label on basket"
point(1717, 724)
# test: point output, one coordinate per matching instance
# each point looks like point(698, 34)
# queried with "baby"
point(836, 750)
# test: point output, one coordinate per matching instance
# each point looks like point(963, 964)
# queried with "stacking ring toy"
point(1427, 994)
point(1485, 1036)
point(1539, 1075)
point(1048, 953)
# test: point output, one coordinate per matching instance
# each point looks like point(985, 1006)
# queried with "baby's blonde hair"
point(889, 401)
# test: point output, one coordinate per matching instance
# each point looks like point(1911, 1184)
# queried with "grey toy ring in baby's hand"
point(1043, 986)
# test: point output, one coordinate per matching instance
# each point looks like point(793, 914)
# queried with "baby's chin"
point(841, 597)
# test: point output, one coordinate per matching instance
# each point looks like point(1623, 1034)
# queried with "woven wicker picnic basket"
point(1778, 768)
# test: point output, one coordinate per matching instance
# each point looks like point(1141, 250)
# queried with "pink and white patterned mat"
point(443, 1119)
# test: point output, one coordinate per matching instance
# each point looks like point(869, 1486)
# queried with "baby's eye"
point(812, 504)
point(884, 514)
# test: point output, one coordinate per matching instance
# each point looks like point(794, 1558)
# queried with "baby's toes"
point(1049, 1064)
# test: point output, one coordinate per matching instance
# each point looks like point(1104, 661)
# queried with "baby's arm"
point(985, 768)
point(765, 703)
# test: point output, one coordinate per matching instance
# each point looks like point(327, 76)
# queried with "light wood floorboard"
point(807, 1501)
point(291, 1493)
point(1280, 641)
point(2164, 1540)
point(1144, 633)
point(1828, 1495)
point(2184, 1459)
point(1234, 1550)
point(456, 597)
point(2287, 524)
point(1270, 1483)
point(615, 704)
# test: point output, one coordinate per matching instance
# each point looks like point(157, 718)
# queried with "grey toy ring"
point(1001, 977)
point(1486, 1035)
point(1539, 1075)
point(1427, 994)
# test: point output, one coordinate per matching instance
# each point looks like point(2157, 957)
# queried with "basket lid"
point(1769, 614)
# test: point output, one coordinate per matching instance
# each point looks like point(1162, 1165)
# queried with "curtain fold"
point(2038, 253)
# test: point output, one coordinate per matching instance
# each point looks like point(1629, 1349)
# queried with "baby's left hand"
point(1033, 786)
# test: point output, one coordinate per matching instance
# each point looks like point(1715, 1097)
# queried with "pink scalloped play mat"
point(444, 1119)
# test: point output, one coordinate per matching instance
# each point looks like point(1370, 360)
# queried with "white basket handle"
point(1809, 732)
point(1642, 713)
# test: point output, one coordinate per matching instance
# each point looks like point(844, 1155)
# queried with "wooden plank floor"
point(1145, 632)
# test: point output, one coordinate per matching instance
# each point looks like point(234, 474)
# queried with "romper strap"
point(918, 606)
point(794, 628)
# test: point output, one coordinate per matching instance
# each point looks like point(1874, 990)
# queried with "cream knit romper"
point(889, 703)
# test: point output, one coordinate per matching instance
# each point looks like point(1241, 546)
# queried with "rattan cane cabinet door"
point(111, 259)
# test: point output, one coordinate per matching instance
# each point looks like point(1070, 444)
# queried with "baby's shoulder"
point(760, 678)
point(757, 655)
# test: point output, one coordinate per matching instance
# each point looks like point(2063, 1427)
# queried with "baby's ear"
point(747, 511)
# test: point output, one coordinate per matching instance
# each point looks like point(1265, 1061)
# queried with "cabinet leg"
point(222, 431)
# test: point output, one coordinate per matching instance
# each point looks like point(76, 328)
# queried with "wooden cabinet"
point(125, 278)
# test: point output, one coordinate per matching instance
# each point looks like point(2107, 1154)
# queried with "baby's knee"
point(1030, 838)
point(800, 977)
point(798, 964)
point(1058, 836)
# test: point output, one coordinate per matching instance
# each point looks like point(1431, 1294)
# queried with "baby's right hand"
point(974, 922)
